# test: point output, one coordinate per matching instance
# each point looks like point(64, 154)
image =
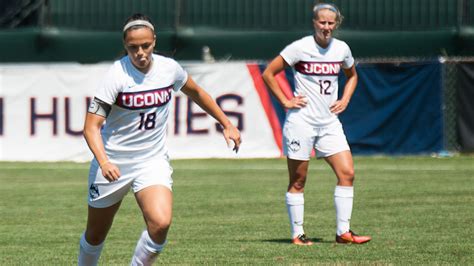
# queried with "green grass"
point(419, 210)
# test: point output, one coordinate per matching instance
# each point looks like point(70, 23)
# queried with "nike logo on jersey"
point(318, 68)
point(144, 99)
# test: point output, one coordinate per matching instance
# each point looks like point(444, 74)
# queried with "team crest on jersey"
point(295, 145)
point(144, 99)
point(318, 68)
point(94, 191)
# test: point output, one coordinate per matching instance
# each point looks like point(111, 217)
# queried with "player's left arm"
point(340, 105)
point(205, 101)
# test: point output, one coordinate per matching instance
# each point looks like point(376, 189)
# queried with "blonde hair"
point(330, 7)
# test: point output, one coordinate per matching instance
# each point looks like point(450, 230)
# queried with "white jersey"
point(316, 76)
point(135, 129)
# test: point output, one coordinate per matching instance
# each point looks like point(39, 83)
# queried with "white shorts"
point(299, 141)
point(137, 176)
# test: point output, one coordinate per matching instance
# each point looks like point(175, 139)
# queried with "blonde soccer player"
point(312, 118)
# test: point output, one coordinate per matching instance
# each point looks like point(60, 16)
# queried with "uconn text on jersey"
point(318, 68)
point(144, 99)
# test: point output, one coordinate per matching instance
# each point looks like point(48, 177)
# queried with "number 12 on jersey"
point(324, 86)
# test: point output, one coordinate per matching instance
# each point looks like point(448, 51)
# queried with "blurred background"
point(48, 30)
point(414, 57)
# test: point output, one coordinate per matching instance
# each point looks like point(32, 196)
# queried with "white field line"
point(383, 167)
point(326, 167)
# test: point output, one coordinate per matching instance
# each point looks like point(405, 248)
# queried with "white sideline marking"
point(326, 167)
point(43, 167)
point(387, 167)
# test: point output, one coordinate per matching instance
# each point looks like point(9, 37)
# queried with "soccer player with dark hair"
point(129, 149)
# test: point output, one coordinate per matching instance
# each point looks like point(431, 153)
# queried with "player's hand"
point(296, 102)
point(232, 134)
point(110, 171)
point(338, 107)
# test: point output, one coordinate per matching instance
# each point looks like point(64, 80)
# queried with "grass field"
point(419, 210)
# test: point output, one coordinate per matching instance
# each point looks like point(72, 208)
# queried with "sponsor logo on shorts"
point(295, 145)
point(94, 191)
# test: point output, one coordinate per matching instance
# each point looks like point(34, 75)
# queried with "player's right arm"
point(95, 118)
point(276, 66)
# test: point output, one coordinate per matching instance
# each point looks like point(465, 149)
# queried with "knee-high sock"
point(88, 254)
point(146, 251)
point(343, 200)
point(295, 207)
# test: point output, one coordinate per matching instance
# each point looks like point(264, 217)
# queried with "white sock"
point(343, 199)
point(88, 254)
point(295, 207)
point(146, 251)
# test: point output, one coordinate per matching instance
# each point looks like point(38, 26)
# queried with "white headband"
point(138, 23)
point(325, 6)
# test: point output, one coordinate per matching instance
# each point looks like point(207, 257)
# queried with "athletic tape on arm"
point(99, 107)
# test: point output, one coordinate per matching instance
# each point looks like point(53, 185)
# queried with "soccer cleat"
point(301, 240)
point(351, 237)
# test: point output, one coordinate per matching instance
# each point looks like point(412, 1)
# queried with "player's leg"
point(333, 147)
point(104, 200)
point(153, 194)
point(297, 146)
point(298, 171)
point(343, 166)
point(156, 204)
point(99, 221)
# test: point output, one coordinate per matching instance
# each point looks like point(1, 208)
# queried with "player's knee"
point(347, 176)
point(95, 238)
point(298, 184)
point(348, 172)
point(350, 175)
point(158, 226)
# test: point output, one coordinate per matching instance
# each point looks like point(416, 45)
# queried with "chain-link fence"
point(450, 111)
point(450, 89)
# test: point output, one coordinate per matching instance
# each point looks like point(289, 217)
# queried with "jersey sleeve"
point(291, 54)
point(181, 76)
point(348, 60)
point(109, 88)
